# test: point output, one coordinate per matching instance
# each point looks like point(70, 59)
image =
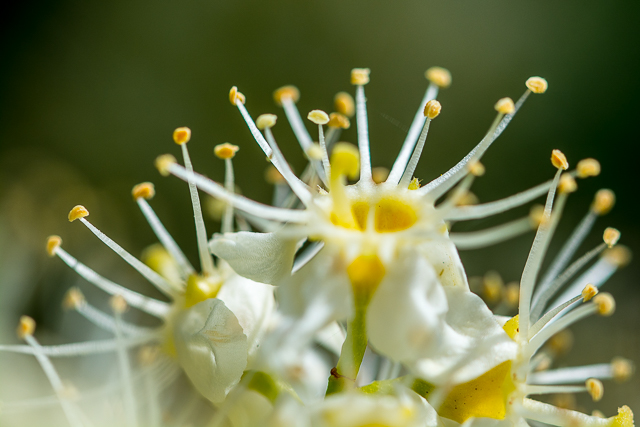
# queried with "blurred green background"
point(90, 93)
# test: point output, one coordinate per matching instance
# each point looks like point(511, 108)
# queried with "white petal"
point(263, 257)
point(211, 348)
point(444, 258)
point(475, 344)
point(405, 318)
point(252, 303)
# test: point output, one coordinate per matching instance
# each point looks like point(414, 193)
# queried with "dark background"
point(90, 93)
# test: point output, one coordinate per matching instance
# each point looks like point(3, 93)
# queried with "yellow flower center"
point(199, 289)
point(391, 214)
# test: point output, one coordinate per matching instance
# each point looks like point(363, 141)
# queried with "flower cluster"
point(344, 303)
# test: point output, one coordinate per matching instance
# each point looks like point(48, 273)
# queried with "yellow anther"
point(537, 84)
point(379, 174)
point(622, 369)
point(611, 236)
point(597, 414)
point(439, 76)
point(78, 212)
point(561, 342)
point(605, 303)
point(432, 109)
point(118, 304)
point(314, 151)
point(467, 199)
point(344, 104)
point(53, 243)
point(505, 106)
point(512, 327)
point(318, 117)
point(235, 96)
point(27, 326)
point(148, 354)
point(559, 160)
point(595, 389)
point(145, 190)
point(286, 92)
point(163, 163)
point(545, 362)
point(414, 184)
point(225, 151)
point(337, 120)
point(587, 168)
point(512, 294)
point(181, 135)
point(73, 299)
point(360, 76)
point(624, 418)
point(345, 160)
point(265, 121)
point(492, 287)
point(619, 255)
point(536, 215)
point(603, 201)
point(273, 176)
point(476, 168)
point(567, 184)
point(589, 292)
point(199, 289)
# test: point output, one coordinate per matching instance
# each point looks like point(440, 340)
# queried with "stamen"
point(242, 203)
point(119, 306)
point(206, 262)
point(602, 304)
point(297, 186)
point(491, 236)
point(344, 104)
point(595, 389)
point(149, 305)
point(431, 111)
point(587, 294)
point(442, 184)
point(587, 168)
point(141, 193)
point(79, 212)
point(492, 208)
point(320, 118)
point(25, 331)
point(53, 243)
point(74, 300)
point(548, 289)
point(439, 77)
point(539, 247)
point(622, 369)
point(226, 152)
point(537, 84)
point(546, 413)
point(360, 77)
point(575, 374)
point(552, 389)
point(287, 97)
point(611, 236)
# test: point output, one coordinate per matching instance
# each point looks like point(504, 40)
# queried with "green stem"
point(343, 376)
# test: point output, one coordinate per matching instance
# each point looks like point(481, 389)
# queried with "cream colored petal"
point(211, 348)
point(444, 258)
point(473, 342)
point(263, 257)
point(406, 316)
point(253, 305)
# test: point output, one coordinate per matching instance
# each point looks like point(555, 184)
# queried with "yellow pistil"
point(486, 396)
point(200, 289)
point(365, 274)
